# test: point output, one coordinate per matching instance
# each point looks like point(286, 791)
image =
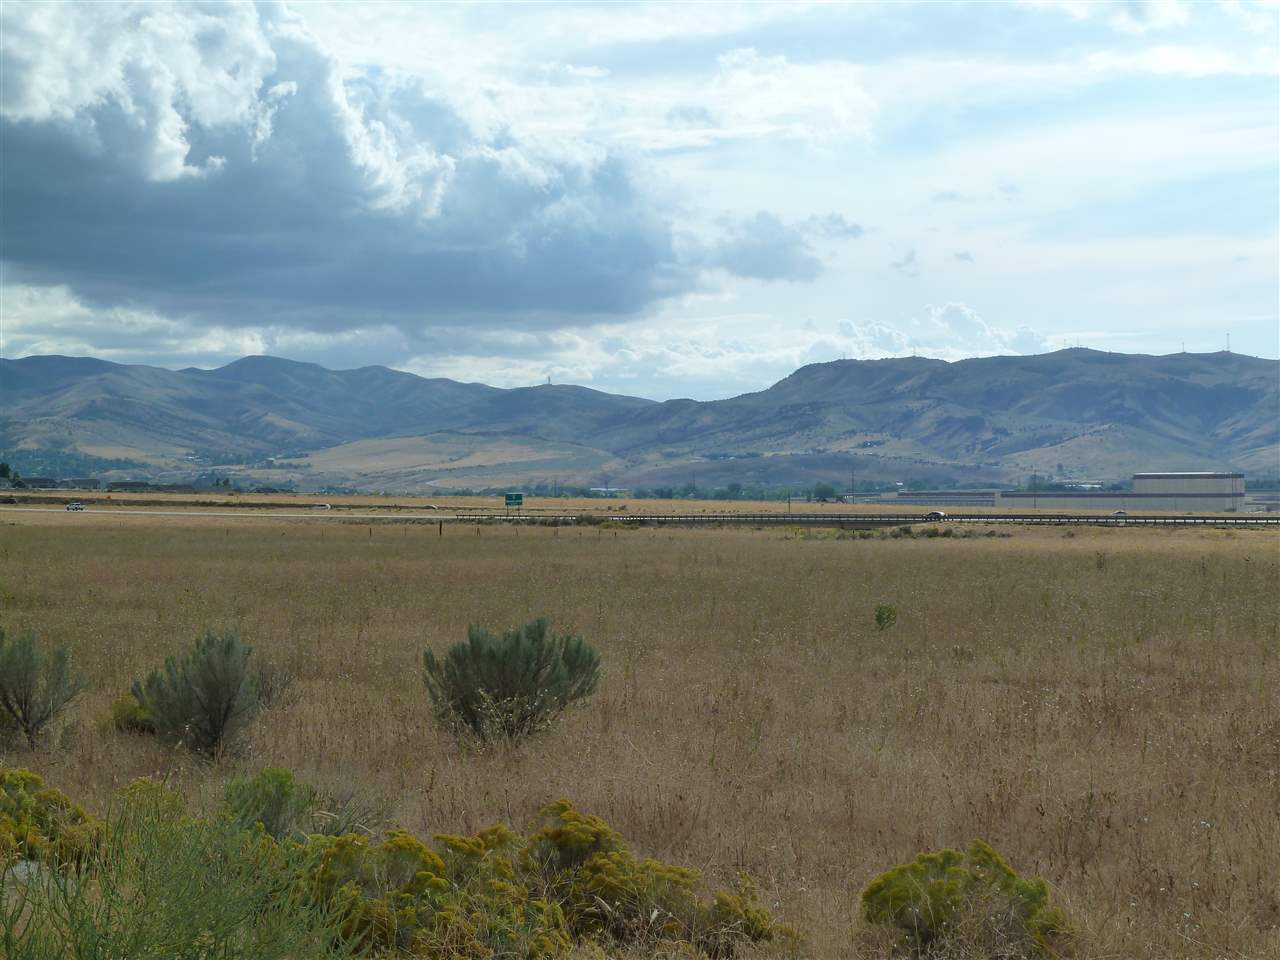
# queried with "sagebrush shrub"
point(203, 698)
point(886, 616)
point(35, 685)
point(288, 808)
point(973, 899)
point(272, 798)
point(511, 685)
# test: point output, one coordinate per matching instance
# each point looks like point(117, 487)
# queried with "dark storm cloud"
point(329, 204)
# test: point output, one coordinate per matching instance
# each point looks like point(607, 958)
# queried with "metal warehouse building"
point(1176, 492)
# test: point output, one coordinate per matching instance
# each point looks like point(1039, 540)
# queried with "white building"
point(1170, 492)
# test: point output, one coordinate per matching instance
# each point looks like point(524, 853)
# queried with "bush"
point(607, 892)
point(157, 882)
point(496, 894)
point(202, 699)
point(290, 809)
point(165, 885)
point(35, 686)
point(41, 824)
point(510, 686)
point(271, 798)
point(126, 714)
point(886, 616)
point(970, 903)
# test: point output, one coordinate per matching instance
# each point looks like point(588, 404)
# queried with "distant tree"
point(4, 471)
point(823, 491)
point(735, 490)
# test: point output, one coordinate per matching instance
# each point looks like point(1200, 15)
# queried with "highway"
point(864, 520)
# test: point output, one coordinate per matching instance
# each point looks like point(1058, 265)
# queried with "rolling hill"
point(1072, 413)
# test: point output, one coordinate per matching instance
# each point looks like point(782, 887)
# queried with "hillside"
point(1072, 413)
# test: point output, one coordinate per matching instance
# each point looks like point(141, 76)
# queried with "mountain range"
point(1071, 414)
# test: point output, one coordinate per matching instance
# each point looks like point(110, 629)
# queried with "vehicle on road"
point(935, 515)
point(1119, 513)
point(75, 505)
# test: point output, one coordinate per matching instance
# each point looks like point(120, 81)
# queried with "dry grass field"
point(1101, 704)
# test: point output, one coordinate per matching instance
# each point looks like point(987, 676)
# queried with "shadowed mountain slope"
point(1076, 412)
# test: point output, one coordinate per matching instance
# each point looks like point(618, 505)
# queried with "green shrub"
point(39, 823)
point(272, 798)
point(163, 885)
point(35, 685)
point(496, 894)
point(202, 699)
point(156, 882)
point(126, 714)
point(943, 901)
point(607, 892)
point(886, 616)
point(510, 686)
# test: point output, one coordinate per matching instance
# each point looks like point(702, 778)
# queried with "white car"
point(75, 505)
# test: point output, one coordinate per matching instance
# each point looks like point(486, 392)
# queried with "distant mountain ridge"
point(1072, 413)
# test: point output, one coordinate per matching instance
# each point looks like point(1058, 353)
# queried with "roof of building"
point(1122, 494)
point(1189, 475)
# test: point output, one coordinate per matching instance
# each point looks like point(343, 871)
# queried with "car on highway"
point(75, 505)
point(1119, 513)
point(935, 515)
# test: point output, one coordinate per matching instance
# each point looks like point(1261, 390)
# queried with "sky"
point(663, 200)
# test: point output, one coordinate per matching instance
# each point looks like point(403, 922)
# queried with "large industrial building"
point(1174, 492)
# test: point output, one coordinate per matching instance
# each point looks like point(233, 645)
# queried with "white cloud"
point(164, 67)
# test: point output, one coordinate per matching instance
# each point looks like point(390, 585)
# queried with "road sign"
point(515, 500)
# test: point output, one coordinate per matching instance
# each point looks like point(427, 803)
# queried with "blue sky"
point(659, 199)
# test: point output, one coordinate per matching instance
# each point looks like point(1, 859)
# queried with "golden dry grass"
point(1098, 704)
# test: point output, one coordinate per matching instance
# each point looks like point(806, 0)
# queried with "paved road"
point(759, 519)
point(248, 513)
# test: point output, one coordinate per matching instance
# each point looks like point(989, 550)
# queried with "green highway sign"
point(515, 500)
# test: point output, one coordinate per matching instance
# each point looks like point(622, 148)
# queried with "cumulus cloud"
point(954, 330)
point(217, 162)
point(763, 247)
